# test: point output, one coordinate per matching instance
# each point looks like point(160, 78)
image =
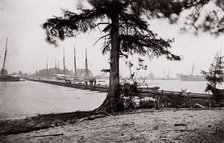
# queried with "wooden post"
point(210, 102)
point(158, 99)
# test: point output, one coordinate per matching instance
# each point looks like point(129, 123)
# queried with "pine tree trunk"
point(110, 105)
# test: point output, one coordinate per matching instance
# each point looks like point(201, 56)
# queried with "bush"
point(130, 98)
point(175, 101)
point(128, 94)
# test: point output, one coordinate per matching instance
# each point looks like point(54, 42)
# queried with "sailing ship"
point(192, 77)
point(4, 76)
point(86, 77)
point(79, 76)
point(63, 76)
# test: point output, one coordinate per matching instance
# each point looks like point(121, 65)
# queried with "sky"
point(20, 21)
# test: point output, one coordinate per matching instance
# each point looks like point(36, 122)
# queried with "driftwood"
point(180, 124)
point(198, 106)
point(92, 117)
point(46, 135)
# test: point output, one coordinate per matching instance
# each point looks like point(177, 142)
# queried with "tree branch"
point(101, 23)
point(101, 38)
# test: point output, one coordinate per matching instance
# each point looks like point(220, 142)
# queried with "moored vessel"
point(4, 76)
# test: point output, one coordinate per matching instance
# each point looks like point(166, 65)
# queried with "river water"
point(177, 85)
point(22, 99)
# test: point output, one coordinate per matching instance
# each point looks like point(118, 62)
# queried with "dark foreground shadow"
point(43, 121)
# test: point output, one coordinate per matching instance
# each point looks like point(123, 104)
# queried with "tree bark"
point(110, 105)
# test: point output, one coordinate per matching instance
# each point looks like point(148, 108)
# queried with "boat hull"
point(192, 78)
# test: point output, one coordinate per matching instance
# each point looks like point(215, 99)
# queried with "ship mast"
point(86, 66)
point(58, 67)
point(75, 69)
point(3, 67)
point(47, 68)
point(192, 72)
point(55, 65)
point(64, 60)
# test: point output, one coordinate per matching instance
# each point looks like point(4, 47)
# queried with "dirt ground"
point(167, 126)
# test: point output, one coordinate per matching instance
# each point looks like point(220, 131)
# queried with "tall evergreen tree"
point(126, 28)
point(216, 72)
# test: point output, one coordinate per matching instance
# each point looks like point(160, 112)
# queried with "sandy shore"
point(166, 126)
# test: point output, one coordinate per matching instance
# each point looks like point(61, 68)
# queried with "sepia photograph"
point(111, 71)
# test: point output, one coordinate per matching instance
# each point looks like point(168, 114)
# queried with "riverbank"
point(43, 121)
point(143, 91)
point(147, 125)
